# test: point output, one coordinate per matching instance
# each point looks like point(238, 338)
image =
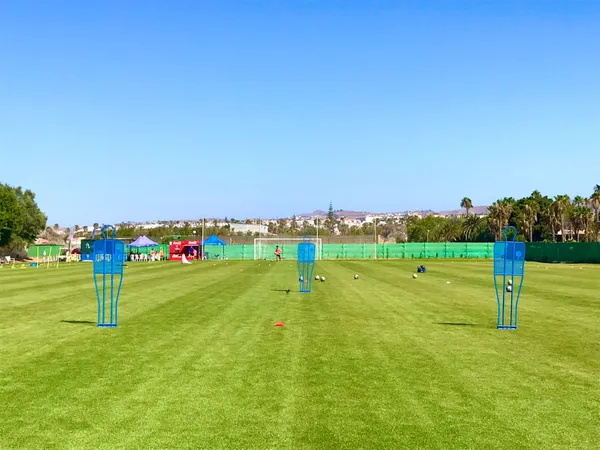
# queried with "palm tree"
point(499, 215)
point(575, 219)
point(579, 200)
point(527, 218)
point(472, 227)
point(530, 213)
point(536, 196)
point(580, 217)
point(563, 204)
point(587, 222)
point(494, 220)
point(577, 213)
point(466, 203)
point(450, 230)
point(594, 203)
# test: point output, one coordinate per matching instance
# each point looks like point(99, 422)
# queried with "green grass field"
point(382, 362)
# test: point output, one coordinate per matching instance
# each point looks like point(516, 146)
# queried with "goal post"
point(264, 248)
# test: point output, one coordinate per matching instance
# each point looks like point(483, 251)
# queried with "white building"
point(370, 219)
point(249, 227)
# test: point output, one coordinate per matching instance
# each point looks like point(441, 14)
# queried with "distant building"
point(249, 227)
point(150, 226)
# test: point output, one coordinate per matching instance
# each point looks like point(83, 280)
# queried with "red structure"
point(191, 250)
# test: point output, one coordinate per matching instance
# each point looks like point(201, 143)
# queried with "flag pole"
point(319, 246)
point(202, 242)
point(375, 236)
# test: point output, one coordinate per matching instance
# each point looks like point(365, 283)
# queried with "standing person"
point(277, 253)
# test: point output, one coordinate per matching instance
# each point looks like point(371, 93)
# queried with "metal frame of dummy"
point(511, 265)
point(112, 268)
point(306, 264)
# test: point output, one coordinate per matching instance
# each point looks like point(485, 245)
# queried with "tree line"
point(21, 220)
point(537, 218)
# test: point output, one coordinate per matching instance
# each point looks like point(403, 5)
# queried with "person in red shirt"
point(277, 253)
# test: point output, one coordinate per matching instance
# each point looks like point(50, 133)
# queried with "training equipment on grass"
point(317, 277)
point(414, 275)
point(108, 257)
point(356, 277)
point(509, 271)
point(306, 264)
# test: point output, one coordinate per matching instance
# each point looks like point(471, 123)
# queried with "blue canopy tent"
point(213, 240)
point(142, 245)
point(143, 241)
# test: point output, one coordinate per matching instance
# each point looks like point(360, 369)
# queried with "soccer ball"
point(356, 277)
point(414, 275)
point(508, 288)
point(509, 282)
point(317, 277)
point(322, 278)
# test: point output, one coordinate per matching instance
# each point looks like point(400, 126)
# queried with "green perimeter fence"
point(575, 252)
point(409, 250)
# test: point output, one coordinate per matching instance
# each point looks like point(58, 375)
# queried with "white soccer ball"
point(322, 278)
point(356, 277)
point(509, 282)
point(317, 277)
point(508, 288)
point(414, 275)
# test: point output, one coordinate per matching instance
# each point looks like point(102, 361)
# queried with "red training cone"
point(279, 324)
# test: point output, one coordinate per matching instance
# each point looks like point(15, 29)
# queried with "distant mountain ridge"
point(474, 210)
point(478, 210)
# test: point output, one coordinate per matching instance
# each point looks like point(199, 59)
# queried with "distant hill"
point(474, 210)
point(358, 214)
point(340, 213)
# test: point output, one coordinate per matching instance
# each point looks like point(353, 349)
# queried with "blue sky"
point(124, 110)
